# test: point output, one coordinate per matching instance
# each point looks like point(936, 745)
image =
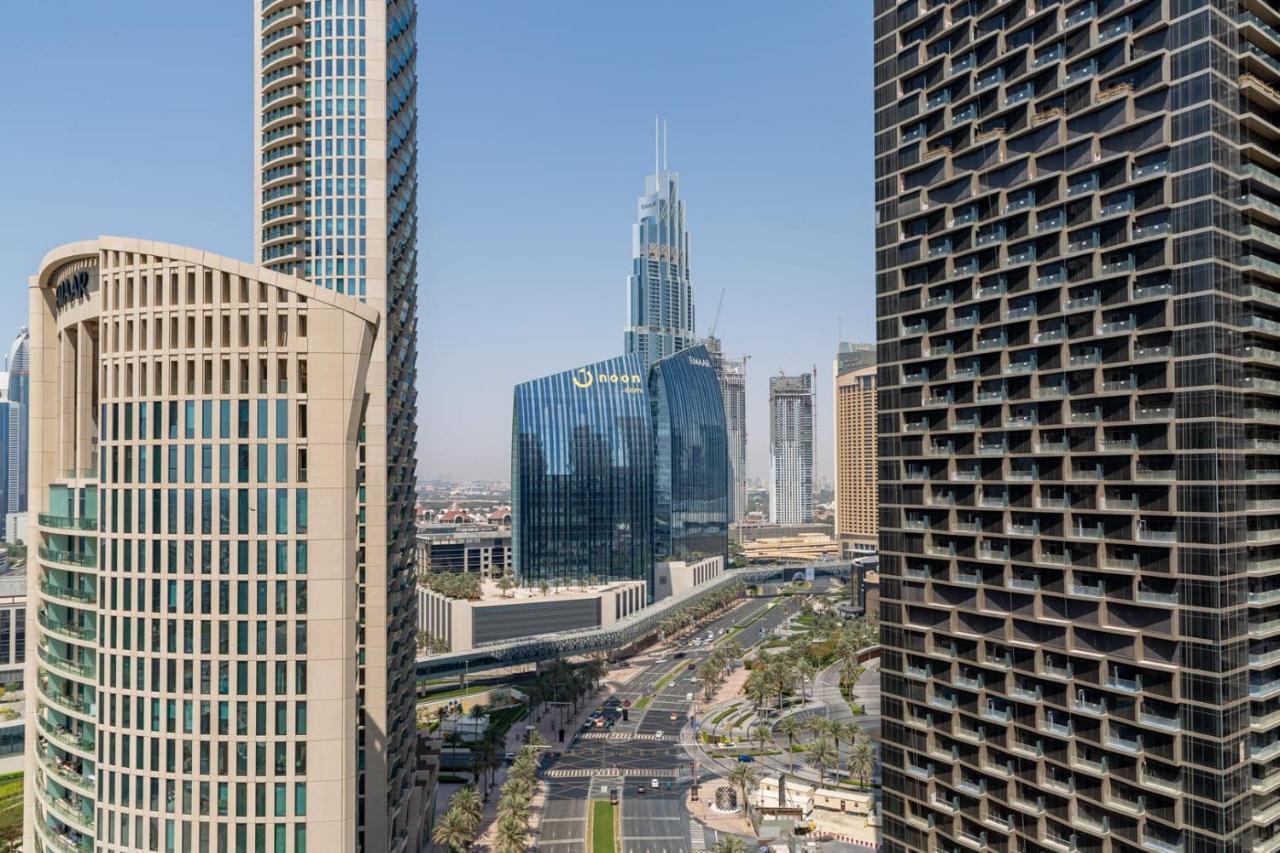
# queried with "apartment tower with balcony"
point(1078, 309)
point(336, 204)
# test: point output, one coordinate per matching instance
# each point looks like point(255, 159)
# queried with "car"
point(658, 733)
point(653, 783)
point(509, 757)
point(678, 655)
point(673, 715)
point(692, 666)
point(746, 759)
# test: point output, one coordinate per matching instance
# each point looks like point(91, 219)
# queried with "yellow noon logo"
point(583, 378)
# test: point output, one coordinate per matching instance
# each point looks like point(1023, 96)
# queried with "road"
point(645, 748)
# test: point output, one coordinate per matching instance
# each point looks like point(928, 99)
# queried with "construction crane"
point(716, 320)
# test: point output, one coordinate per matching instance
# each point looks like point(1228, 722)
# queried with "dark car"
point(678, 655)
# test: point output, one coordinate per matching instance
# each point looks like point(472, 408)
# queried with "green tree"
point(820, 754)
point(453, 831)
point(511, 835)
point(862, 761)
point(506, 583)
point(744, 778)
point(467, 802)
point(790, 727)
point(730, 844)
point(760, 734)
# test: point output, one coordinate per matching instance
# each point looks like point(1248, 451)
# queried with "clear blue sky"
point(134, 118)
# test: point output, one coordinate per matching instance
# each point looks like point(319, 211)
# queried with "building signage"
point(72, 288)
point(584, 378)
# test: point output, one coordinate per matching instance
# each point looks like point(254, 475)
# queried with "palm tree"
point(757, 687)
point(517, 786)
point(790, 727)
point(862, 760)
point(467, 802)
point(710, 678)
point(744, 777)
point(511, 835)
point(820, 726)
point(514, 808)
point(453, 831)
point(760, 734)
point(806, 670)
point(821, 755)
point(837, 730)
point(730, 844)
point(478, 767)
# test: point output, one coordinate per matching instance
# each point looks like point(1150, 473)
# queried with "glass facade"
point(660, 320)
point(691, 458)
point(582, 475)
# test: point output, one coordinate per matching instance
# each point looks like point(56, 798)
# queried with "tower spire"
point(665, 164)
point(656, 123)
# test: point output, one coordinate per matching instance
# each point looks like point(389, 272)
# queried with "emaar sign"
point(74, 286)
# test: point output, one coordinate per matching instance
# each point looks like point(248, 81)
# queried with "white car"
point(657, 734)
point(653, 783)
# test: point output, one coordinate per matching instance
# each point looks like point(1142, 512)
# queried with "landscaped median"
point(603, 829)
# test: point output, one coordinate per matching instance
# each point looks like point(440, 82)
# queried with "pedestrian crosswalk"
point(588, 772)
point(697, 836)
point(615, 736)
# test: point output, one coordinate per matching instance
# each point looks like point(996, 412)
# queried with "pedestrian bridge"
point(543, 647)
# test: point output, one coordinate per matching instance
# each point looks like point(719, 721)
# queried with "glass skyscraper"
point(1078, 307)
point(18, 365)
point(660, 314)
point(615, 466)
point(692, 475)
point(582, 475)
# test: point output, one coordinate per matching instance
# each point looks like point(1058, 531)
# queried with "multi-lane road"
point(644, 748)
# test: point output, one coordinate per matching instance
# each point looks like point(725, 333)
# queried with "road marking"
point(697, 836)
point(587, 772)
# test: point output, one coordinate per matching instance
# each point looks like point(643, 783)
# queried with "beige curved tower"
point(195, 425)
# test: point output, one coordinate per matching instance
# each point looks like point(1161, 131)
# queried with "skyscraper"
point(660, 317)
point(791, 448)
point(582, 476)
point(18, 367)
point(1077, 288)
point(692, 474)
point(222, 462)
point(855, 446)
point(733, 388)
point(615, 468)
point(336, 203)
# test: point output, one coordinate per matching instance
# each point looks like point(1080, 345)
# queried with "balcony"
point(1121, 27)
point(65, 522)
point(1017, 95)
point(991, 78)
point(1080, 15)
point(56, 555)
point(1093, 300)
point(1156, 167)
